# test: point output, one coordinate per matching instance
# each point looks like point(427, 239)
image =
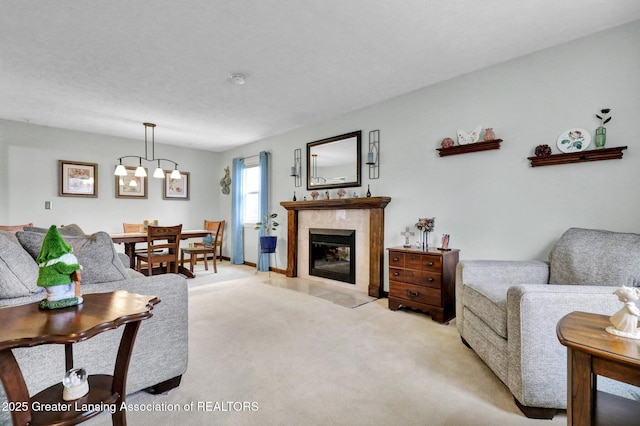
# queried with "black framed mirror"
point(334, 162)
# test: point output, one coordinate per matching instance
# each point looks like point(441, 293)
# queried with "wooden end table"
point(27, 326)
point(591, 351)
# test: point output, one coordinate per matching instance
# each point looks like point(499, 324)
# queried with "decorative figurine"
point(75, 384)
point(543, 150)
point(447, 143)
point(327, 194)
point(294, 196)
point(59, 272)
point(406, 234)
point(625, 321)
point(225, 182)
point(368, 191)
point(489, 135)
point(465, 138)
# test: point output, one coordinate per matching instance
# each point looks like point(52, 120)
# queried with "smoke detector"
point(237, 79)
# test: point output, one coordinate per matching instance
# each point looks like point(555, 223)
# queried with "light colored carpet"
point(262, 354)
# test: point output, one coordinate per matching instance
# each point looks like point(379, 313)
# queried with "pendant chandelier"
point(140, 172)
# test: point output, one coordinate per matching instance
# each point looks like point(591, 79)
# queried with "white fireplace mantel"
point(375, 207)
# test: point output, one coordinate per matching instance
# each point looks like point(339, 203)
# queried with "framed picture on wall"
point(132, 186)
point(77, 179)
point(176, 189)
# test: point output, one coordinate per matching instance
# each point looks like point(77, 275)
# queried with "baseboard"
point(276, 270)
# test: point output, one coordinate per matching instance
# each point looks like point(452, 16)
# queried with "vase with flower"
point(601, 132)
point(425, 225)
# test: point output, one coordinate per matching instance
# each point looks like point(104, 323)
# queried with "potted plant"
point(268, 242)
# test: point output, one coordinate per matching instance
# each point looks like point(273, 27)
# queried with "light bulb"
point(158, 173)
point(120, 170)
point(140, 172)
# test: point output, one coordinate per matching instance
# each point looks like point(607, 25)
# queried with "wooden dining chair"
point(133, 227)
point(163, 246)
point(219, 238)
point(217, 230)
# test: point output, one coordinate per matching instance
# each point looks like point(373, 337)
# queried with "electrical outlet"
point(48, 205)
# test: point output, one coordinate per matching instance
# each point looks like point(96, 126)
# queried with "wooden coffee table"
point(27, 326)
point(591, 351)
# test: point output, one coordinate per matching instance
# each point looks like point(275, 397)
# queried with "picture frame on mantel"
point(77, 179)
point(176, 189)
point(132, 186)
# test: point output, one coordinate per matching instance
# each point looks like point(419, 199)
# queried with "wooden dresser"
point(423, 280)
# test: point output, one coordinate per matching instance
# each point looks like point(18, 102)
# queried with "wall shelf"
point(579, 157)
point(472, 147)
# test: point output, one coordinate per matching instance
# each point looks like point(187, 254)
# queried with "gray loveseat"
point(507, 311)
point(160, 352)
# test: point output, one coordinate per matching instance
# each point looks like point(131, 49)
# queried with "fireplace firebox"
point(332, 254)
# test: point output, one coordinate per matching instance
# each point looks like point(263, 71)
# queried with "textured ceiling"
point(106, 66)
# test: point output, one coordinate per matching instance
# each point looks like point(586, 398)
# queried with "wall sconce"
point(373, 157)
point(296, 170)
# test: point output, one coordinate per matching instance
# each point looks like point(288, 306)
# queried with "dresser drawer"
point(423, 261)
point(396, 259)
point(415, 293)
point(412, 276)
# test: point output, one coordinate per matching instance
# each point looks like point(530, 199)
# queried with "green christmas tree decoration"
point(59, 272)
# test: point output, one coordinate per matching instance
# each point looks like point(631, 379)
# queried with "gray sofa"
point(507, 311)
point(160, 352)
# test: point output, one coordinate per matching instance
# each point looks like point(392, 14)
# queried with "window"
point(250, 193)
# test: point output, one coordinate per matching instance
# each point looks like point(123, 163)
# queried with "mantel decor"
point(471, 147)
point(578, 157)
point(375, 205)
point(373, 156)
point(334, 162)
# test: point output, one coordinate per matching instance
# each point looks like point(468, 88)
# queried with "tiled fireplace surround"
point(365, 215)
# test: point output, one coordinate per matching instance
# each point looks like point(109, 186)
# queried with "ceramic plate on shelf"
point(574, 140)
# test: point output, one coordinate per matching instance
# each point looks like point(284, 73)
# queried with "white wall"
point(493, 203)
point(29, 157)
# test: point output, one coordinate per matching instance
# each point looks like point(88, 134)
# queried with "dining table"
point(129, 239)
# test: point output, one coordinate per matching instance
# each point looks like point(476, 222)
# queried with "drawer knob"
point(396, 259)
point(413, 294)
point(396, 273)
point(430, 279)
point(430, 263)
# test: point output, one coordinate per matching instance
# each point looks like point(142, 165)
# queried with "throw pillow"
point(72, 229)
point(14, 228)
point(18, 271)
point(593, 257)
point(96, 254)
